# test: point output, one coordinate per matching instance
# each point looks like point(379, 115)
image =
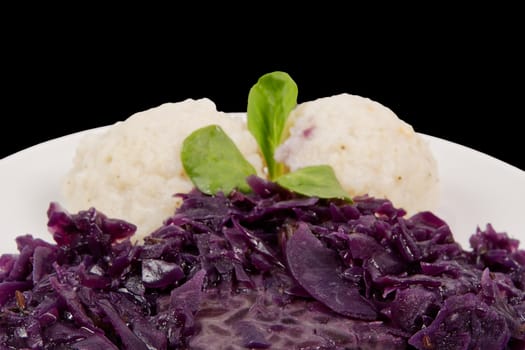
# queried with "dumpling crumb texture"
point(133, 169)
point(371, 150)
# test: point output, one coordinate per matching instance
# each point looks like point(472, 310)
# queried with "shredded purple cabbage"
point(265, 270)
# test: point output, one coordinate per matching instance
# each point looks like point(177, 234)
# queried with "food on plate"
point(132, 170)
point(268, 269)
point(371, 150)
point(288, 257)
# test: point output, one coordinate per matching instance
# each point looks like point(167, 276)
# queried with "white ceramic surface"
point(476, 189)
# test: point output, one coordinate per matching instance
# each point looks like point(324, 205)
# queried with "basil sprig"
point(214, 163)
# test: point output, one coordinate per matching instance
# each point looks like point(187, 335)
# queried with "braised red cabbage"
point(264, 270)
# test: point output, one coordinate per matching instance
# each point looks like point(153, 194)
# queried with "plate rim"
point(441, 147)
point(84, 132)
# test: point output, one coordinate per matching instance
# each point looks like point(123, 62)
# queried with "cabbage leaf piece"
point(315, 267)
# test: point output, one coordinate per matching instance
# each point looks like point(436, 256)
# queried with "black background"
point(463, 85)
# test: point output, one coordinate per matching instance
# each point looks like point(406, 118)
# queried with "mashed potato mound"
point(133, 169)
point(370, 149)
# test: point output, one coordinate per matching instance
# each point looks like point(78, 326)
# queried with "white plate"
point(476, 189)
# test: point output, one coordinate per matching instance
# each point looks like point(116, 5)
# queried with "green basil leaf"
point(270, 101)
point(213, 162)
point(316, 181)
